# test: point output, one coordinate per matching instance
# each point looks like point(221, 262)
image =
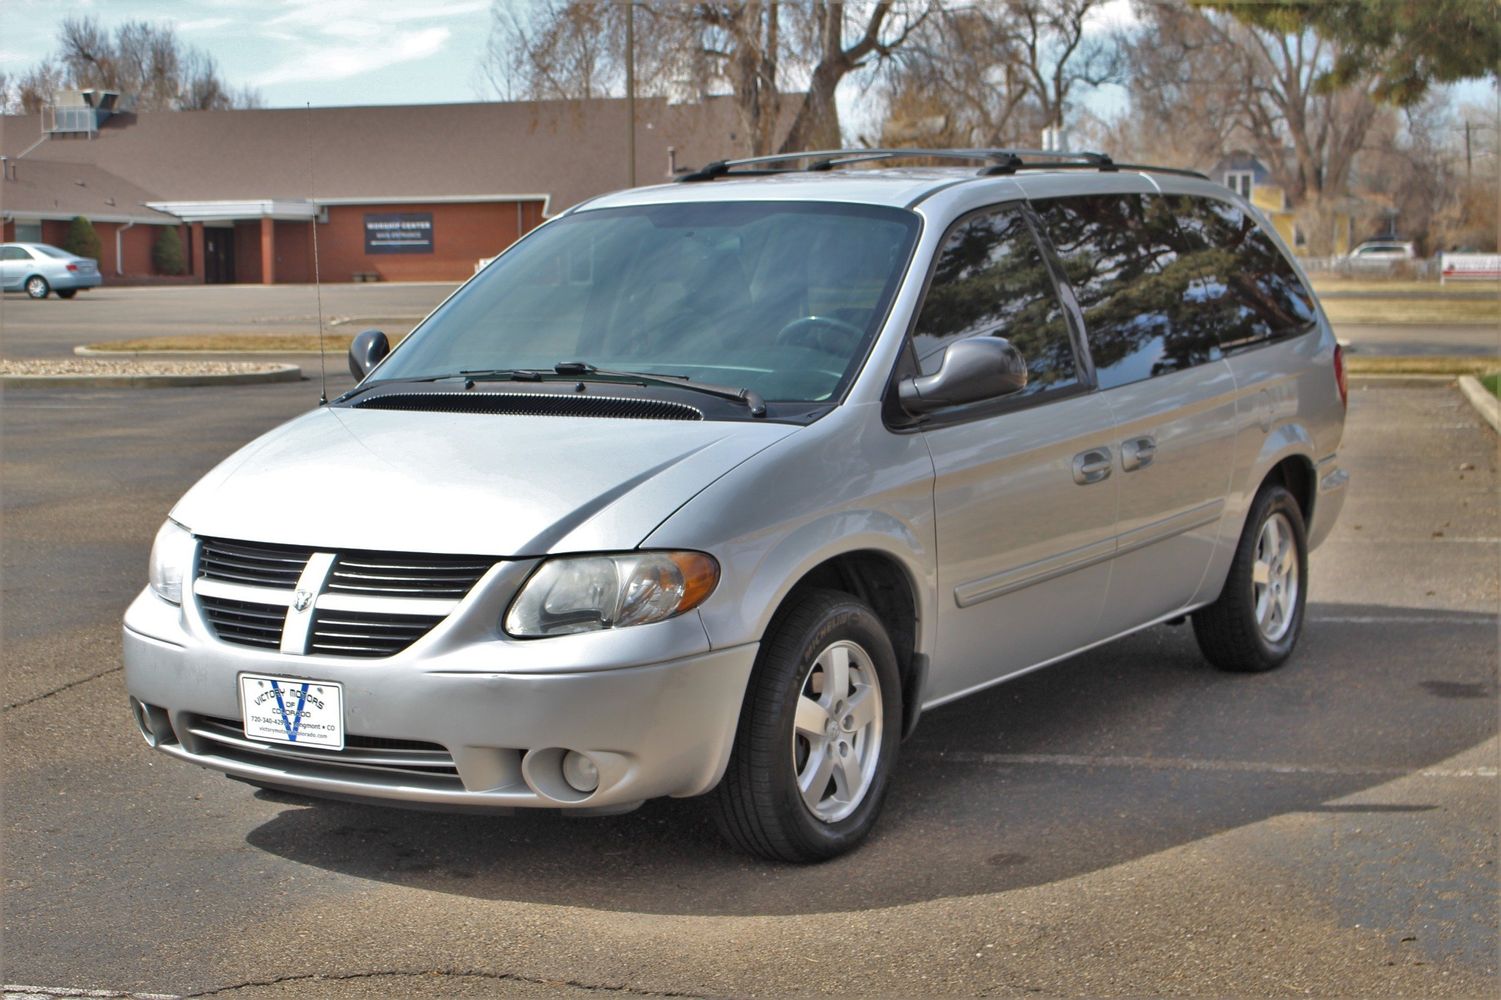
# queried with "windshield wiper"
point(502, 374)
point(749, 397)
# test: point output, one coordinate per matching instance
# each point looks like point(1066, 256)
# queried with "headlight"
point(588, 593)
point(171, 556)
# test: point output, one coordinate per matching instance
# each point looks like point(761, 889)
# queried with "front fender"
point(844, 484)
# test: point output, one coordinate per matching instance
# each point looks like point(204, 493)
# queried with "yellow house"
point(1247, 176)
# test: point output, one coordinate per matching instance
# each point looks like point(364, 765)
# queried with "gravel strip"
point(91, 366)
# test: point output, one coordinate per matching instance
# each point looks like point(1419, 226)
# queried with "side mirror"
point(366, 350)
point(971, 371)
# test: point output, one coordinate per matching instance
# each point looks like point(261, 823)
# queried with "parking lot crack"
point(499, 977)
point(59, 690)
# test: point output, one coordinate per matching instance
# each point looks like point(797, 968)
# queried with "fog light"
point(579, 771)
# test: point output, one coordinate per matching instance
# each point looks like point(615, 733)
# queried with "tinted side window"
point(1140, 295)
point(14, 253)
point(991, 280)
point(1249, 292)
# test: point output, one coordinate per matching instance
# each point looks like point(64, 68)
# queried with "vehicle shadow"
point(1115, 754)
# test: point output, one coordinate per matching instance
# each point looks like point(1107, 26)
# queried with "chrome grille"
point(356, 633)
point(427, 762)
point(243, 622)
point(406, 575)
point(365, 603)
point(251, 564)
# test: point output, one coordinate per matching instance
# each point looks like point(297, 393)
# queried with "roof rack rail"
point(998, 162)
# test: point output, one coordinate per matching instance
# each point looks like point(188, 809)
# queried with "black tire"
point(758, 805)
point(36, 287)
point(66, 293)
point(1230, 632)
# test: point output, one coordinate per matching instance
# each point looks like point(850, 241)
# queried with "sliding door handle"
point(1092, 466)
point(1138, 453)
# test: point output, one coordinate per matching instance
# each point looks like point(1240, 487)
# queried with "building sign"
point(399, 232)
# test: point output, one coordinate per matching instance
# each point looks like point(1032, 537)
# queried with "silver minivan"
point(715, 487)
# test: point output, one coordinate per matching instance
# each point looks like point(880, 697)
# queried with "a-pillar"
point(197, 266)
point(268, 250)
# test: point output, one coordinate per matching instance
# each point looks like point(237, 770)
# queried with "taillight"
point(1339, 377)
point(72, 267)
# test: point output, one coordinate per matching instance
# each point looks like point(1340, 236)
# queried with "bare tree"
point(874, 33)
point(997, 73)
point(1268, 84)
point(1057, 55)
point(145, 62)
point(32, 90)
point(751, 49)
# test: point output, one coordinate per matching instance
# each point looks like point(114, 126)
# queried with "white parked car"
point(39, 269)
point(716, 487)
point(1376, 255)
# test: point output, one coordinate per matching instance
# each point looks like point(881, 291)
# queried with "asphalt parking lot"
point(1126, 822)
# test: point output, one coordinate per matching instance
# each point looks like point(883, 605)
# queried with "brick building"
point(403, 193)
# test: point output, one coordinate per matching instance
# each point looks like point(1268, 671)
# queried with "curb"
point(282, 373)
point(1401, 381)
point(1486, 404)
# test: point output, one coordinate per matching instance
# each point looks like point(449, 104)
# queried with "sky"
point(295, 52)
point(342, 52)
point(319, 52)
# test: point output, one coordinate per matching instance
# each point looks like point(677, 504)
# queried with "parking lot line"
point(1193, 764)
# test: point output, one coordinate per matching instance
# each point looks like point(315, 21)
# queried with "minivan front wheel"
point(37, 287)
point(818, 733)
point(1255, 623)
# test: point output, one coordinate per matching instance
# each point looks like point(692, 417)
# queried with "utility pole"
point(1469, 168)
point(630, 89)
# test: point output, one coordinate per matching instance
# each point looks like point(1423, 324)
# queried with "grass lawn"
point(1414, 312)
point(1492, 383)
point(269, 343)
point(1394, 364)
point(1324, 283)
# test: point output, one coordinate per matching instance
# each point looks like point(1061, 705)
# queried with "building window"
point(1300, 238)
point(1239, 181)
point(28, 232)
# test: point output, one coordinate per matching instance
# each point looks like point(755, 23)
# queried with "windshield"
point(779, 298)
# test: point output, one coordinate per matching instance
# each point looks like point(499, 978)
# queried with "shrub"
point(166, 252)
point(82, 239)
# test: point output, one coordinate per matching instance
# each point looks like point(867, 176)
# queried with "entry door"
point(218, 256)
point(1023, 496)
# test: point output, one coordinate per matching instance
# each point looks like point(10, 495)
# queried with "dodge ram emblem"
point(302, 600)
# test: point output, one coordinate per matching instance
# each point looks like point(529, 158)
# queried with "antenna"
point(317, 278)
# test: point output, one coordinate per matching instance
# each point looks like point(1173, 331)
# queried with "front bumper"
point(456, 725)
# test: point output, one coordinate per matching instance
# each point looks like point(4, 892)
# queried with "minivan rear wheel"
point(1255, 623)
point(818, 733)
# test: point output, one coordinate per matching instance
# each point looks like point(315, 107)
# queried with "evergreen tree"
point(166, 253)
point(1406, 45)
point(82, 239)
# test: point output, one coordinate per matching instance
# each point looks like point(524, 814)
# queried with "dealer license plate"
point(292, 710)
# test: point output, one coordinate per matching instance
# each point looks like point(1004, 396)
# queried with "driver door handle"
point(1092, 466)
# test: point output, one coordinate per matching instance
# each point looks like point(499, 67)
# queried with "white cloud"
point(1113, 15)
point(202, 24)
point(338, 17)
point(339, 62)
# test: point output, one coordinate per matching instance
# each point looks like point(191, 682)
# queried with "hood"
point(477, 484)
